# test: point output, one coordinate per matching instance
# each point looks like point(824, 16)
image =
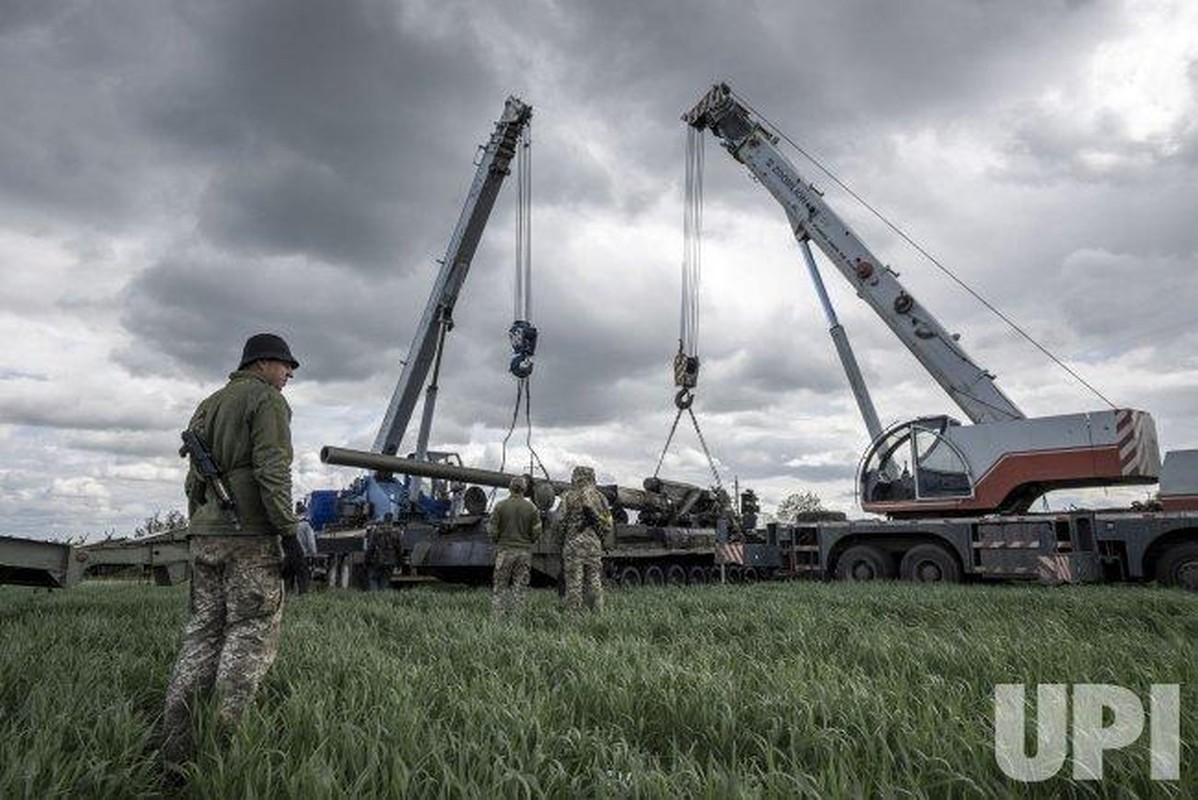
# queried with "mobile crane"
point(957, 495)
point(673, 539)
point(373, 496)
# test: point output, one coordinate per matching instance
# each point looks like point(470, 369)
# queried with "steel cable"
point(919, 248)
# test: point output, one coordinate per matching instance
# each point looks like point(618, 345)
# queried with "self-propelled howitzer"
point(660, 502)
point(674, 538)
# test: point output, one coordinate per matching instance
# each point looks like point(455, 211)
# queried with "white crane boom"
point(971, 387)
point(935, 465)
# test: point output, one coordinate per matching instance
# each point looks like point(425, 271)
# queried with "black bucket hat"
point(266, 346)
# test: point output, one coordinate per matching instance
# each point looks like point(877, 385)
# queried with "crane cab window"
point(886, 476)
point(940, 470)
point(914, 461)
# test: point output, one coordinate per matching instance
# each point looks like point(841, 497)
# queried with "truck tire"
point(929, 563)
point(696, 575)
point(654, 576)
point(864, 562)
point(675, 575)
point(630, 576)
point(1178, 566)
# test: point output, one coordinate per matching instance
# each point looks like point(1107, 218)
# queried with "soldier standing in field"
point(515, 527)
point(239, 554)
point(585, 519)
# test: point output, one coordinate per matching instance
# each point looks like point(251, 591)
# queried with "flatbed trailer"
point(60, 565)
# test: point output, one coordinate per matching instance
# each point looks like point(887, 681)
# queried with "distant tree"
point(799, 503)
point(174, 520)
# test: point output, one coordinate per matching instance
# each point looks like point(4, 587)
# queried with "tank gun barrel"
point(378, 462)
point(633, 499)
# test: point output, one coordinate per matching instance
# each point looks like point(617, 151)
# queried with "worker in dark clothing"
point(301, 581)
point(515, 527)
point(382, 553)
point(239, 559)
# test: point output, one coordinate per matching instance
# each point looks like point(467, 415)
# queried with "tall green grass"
point(777, 690)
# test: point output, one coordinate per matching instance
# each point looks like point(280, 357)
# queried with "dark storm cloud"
point(198, 311)
point(824, 73)
point(315, 124)
point(279, 205)
point(66, 153)
point(310, 123)
point(330, 126)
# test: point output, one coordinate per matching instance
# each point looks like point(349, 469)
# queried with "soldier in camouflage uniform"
point(236, 604)
point(585, 519)
point(515, 527)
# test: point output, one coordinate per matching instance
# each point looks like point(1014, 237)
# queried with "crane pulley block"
point(523, 337)
point(686, 376)
point(686, 371)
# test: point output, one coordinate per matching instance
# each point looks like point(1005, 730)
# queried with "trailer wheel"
point(1178, 566)
point(630, 576)
point(696, 575)
point(864, 562)
point(929, 563)
point(654, 576)
point(675, 575)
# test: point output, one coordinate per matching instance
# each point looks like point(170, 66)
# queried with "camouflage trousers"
point(582, 558)
point(512, 570)
point(232, 635)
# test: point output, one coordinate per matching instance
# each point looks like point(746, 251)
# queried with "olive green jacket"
point(515, 523)
point(247, 425)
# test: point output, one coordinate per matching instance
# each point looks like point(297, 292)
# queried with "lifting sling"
point(686, 362)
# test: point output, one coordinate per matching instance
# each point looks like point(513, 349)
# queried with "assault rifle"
point(205, 464)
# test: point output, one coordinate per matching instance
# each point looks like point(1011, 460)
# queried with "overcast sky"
point(177, 176)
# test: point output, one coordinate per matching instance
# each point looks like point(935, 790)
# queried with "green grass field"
point(776, 690)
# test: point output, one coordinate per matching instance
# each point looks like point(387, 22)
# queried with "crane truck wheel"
point(654, 576)
point(929, 563)
point(1178, 566)
point(696, 575)
point(675, 575)
point(864, 562)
